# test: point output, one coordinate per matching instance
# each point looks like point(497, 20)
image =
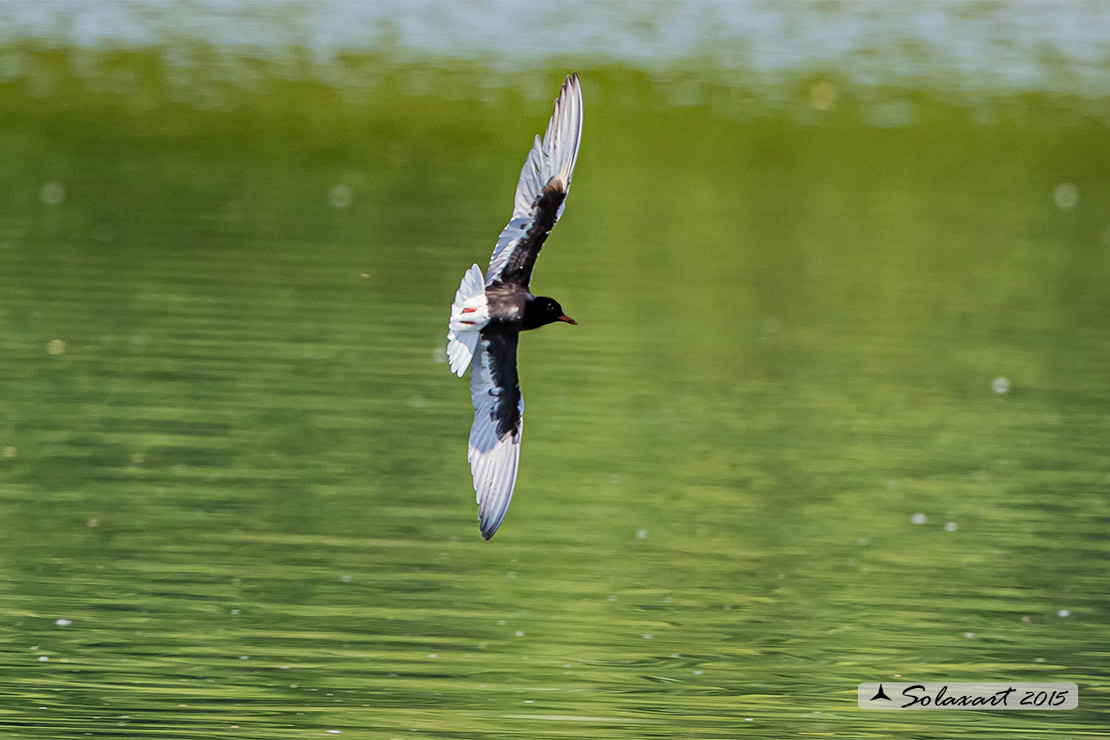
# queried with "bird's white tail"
point(469, 314)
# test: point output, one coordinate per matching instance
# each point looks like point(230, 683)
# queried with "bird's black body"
point(502, 354)
point(513, 308)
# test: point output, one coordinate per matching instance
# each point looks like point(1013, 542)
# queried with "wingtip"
point(492, 513)
point(494, 464)
point(571, 85)
point(489, 526)
point(490, 522)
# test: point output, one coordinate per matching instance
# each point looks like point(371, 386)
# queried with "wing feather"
point(494, 452)
point(548, 169)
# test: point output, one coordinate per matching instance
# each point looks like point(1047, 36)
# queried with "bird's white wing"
point(498, 422)
point(552, 158)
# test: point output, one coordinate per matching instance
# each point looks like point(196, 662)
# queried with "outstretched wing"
point(541, 191)
point(498, 421)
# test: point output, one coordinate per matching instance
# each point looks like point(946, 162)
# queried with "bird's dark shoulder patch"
point(545, 210)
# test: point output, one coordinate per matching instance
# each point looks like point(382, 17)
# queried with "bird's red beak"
point(567, 319)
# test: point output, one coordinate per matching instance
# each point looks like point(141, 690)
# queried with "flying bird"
point(491, 310)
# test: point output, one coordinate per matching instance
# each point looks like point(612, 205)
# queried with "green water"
point(235, 460)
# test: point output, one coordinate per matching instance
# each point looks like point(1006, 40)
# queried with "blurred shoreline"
point(205, 78)
point(966, 47)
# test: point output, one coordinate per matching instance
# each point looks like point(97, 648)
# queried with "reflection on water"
point(836, 412)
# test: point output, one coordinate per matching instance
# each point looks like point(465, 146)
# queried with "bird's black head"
point(542, 311)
